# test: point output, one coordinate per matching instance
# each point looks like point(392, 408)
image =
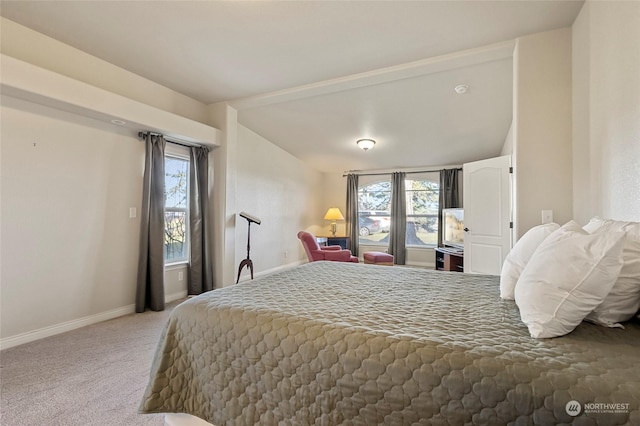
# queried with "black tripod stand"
point(247, 262)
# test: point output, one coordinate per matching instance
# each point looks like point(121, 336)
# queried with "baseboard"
point(168, 298)
point(31, 336)
point(179, 419)
point(427, 265)
point(272, 270)
point(63, 327)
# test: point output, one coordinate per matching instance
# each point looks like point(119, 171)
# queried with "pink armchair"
point(315, 252)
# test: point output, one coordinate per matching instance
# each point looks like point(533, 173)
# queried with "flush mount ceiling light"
point(461, 89)
point(118, 122)
point(366, 144)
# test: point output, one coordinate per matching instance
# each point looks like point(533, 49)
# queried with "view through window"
point(176, 209)
point(374, 212)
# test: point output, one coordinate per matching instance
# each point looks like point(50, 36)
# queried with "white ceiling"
point(313, 77)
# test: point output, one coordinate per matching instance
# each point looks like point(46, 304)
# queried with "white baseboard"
point(168, 298)
point(63, 327)
point(30, 336)
point(272, 270)
point(179, 419)
point(427, 265)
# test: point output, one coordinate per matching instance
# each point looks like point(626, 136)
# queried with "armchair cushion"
point(337, 255)
point(315, 252)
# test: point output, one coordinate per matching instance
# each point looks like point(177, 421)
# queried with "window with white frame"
point(374, 211)
point(423, 197)
point(176, 208)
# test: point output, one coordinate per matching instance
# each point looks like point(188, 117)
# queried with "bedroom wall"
point(223, 212)
point(507, 148)
point(284, 193)
point(69, 248)
point(606, 111)
point(542, 156)
point(38, 49)
point(334, 194)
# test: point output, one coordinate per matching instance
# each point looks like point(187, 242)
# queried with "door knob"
point(466, 229)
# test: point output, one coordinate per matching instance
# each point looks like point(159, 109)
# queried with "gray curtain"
point(398, 230)
point(200, 266)
point(353, 229)
point(150, 287)
point(450, 194)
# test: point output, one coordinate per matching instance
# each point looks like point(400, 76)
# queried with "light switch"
point(547, 216)
point(133, 212)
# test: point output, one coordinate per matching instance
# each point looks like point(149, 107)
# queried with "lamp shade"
point(334, 213)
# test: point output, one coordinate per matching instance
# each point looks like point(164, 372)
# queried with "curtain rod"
point(141, 136)
point(388, 173)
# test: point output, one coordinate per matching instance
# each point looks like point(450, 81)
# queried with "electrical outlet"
point(547, 216)
point(180, 276)
point(132, 212)
point(286, 254)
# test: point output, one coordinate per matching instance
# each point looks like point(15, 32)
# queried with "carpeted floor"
point(91, 376)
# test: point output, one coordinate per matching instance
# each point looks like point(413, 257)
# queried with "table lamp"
point(333, 214)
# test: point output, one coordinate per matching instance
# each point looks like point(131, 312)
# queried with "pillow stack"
point(560, 276)
point(519, 256)
point(623, 301)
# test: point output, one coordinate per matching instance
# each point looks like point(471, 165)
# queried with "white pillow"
point(519, 256)
point(569, 274)
point(623, 301)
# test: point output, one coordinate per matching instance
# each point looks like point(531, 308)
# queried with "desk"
point(344, 242)
point(447, 260)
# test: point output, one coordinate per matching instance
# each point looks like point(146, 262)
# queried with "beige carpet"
point(91, 376)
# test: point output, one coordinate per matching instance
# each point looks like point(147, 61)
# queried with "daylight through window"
point(176, 209)
point(374, 212)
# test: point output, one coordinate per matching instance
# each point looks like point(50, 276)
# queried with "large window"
point(176, 209)
point(422, 212)
point(374, 210)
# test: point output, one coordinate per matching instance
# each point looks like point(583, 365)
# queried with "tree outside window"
point(422, 212)
point(374, 210)
point(176, 209)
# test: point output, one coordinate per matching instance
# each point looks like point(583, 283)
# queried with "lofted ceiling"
point(314, 76)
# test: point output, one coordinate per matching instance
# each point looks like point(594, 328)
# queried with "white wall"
point(283, 192)
point(69, 248)
point(35, 48)
point(606, 111)
point(507, 148)
point(334, 194)
point(223, 197)
point(542, 156)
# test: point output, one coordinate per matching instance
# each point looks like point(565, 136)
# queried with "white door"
point(487, 214)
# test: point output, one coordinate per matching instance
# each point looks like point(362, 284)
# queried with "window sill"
point(422, 247)
point(176, 265)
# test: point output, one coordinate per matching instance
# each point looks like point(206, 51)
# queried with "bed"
point(338, 343)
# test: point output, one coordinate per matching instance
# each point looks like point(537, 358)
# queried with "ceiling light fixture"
point(118, 122)
point(366, 144)
point(461, 89)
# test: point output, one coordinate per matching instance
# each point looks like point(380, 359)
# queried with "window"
point(374, 211)
point(176, 209)
point(423, 197)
